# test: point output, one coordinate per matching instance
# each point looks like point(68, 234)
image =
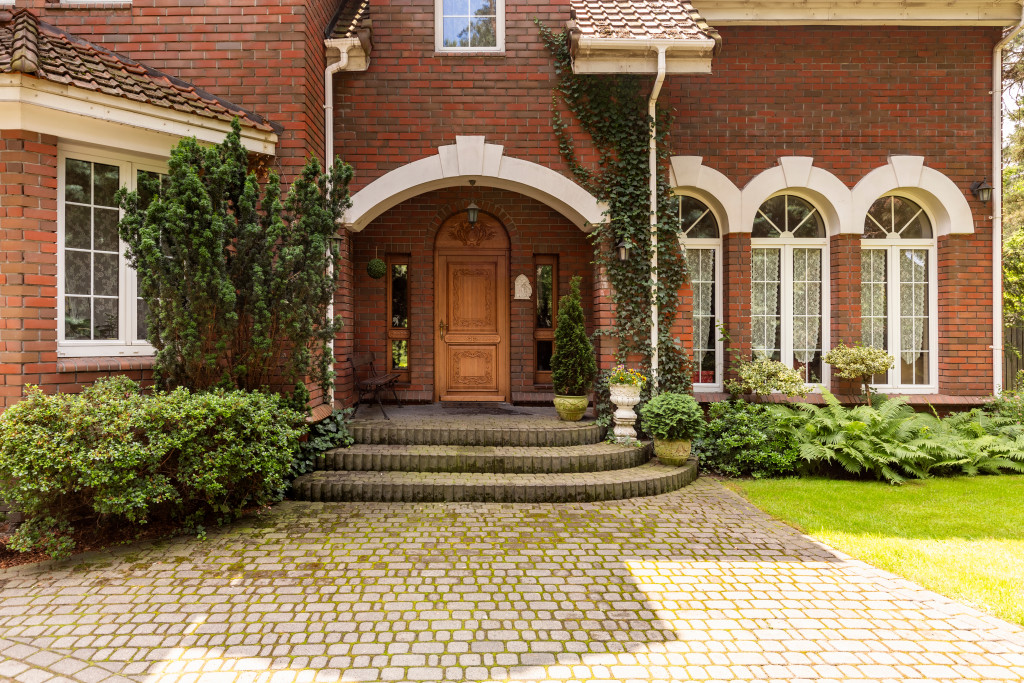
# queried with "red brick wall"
point(411, 227)
point(844, 265)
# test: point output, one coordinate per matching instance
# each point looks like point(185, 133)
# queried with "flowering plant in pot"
point(674, 420)
point(573, 366)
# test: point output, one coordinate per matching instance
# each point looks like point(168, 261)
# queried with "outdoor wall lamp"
point(472, 211)
point(982, 190)
point(624, 249)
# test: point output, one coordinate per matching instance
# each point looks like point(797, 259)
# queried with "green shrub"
point(573, 366)
point(673, 416)
point(747, 439)
point(860, 363)
point(330, 432)
point(763, 375)
point(112, 455)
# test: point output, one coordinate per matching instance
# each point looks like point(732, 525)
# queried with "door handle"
point(442, 330)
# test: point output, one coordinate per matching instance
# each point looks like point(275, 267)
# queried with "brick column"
point(844, 271)
point(604, 319)
point(28, 262)
point(736, 265)
point(965, 313)
point(344, 341)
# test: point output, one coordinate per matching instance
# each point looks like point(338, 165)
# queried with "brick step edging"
point(492, 459)
point(650, 479)
point(397, 434)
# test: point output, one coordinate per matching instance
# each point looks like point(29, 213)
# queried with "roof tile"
point(640, 19)
point(38, 49)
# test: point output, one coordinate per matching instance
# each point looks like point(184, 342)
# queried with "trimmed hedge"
point(112, 455)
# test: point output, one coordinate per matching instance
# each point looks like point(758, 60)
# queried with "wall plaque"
point(523, 288)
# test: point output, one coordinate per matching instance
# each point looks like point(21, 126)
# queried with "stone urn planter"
point(624, 396)
point(571, 408)
point(673, 452)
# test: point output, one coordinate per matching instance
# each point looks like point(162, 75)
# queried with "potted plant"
point(624, 387)
point(674, 420)
point(573, 366)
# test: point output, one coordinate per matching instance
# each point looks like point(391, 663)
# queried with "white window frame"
point(439, 46)
point(715, 245)
point(892, 245)
point(127, 343)
point(787, 243)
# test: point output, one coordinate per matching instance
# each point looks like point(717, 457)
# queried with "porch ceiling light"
point(472, 212)
point(624, 250)
point(982, 190)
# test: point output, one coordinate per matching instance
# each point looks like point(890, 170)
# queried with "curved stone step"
point(649, 479)
point(476, 432)
point(498, 459)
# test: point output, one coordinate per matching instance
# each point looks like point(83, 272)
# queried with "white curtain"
point(764, 300)
point(873, 298)
point(806, 303)
point(702, 277)
point(913, 302)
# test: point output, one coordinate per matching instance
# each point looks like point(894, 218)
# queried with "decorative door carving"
point(472, 311)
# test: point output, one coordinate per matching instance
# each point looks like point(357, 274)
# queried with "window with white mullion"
point(807, 312)
point(898, 292)
point(701, 241)
point(766, 302)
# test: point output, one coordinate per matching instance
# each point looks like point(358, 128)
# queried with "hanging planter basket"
point(376, 268)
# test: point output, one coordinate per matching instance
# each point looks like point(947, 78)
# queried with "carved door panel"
point(472, 326)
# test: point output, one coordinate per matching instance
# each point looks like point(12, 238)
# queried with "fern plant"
point(879, 441)
point(973, 443)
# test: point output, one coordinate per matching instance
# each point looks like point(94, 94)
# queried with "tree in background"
point(237, 281)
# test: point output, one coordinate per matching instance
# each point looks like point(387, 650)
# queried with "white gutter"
point(997, 203)
point(702, 45)
point(328, 156)
point(652, 104)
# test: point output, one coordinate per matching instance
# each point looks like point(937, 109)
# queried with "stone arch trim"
point(472, 158)
point(689, 175)
point(800, 176)
point(907, 175)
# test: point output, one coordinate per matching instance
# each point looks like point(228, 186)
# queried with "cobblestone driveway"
point(687, 586)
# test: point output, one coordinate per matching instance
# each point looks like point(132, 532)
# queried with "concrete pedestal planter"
point(571, 408)
point(673, 452)
point(624, 396)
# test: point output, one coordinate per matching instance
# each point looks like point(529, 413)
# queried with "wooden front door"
point(472, 311)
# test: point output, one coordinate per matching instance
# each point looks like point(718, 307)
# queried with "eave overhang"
point(863, 12)
point(598, 55)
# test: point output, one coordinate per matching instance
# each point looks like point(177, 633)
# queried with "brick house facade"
point(836, 119)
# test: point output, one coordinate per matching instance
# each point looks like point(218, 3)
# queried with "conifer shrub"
point(573, 366)
point(113, 456)
point(237, 279)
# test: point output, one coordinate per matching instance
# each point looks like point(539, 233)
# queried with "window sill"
point(470, 53)
point(931, 399)
point(105, 363)
point(110, 4)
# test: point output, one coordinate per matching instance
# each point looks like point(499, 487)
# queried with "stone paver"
point(692, 585)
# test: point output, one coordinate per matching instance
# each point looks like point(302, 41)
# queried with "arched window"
point(701, 239)
point(897, 290)
point(788, 303)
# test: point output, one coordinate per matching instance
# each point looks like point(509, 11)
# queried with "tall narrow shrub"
point(573, 366)
point(237, 280)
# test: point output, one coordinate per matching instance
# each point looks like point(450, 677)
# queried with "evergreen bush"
point(113, 456)
point(237, 281)
point(673, 417)
point(747, 439)
point(573, 366)
point(861, 363)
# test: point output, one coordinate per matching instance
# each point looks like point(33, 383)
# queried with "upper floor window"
point(788, 305)
point(703, 247)
point(470, 25)
point(99, 310)
point(897, 290)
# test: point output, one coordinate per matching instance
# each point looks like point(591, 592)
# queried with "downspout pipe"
point(652, 104)
point(997, 203)
point(328, 156)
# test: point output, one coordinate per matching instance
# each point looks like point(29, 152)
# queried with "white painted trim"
point(40, 106)
point(799, 176)
point(348, 52)
point(716, 246)
point(126, 344)
point(440, 47)
point(866, 12)
point(470, 157)
point(907, 175)
point(688, 175)
point(596, 55)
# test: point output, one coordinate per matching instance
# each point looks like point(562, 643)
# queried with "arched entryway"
point(471, 304)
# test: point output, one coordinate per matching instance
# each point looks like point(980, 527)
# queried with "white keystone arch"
point(908, 175)
point(471, 158)
point(711, 187)
point(800, 176)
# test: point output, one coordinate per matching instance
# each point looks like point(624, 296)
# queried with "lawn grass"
point(962, 537)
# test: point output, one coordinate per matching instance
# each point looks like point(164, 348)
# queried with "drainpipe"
point(997, 203)
point(328, 156)
point(652, 103)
